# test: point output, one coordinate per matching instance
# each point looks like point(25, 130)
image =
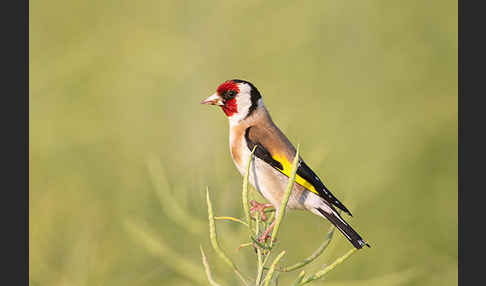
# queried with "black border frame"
point(15, 212)
point(14, 119)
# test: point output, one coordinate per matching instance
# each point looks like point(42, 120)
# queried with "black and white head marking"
point(248, 100)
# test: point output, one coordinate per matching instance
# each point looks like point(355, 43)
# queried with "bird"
point(250, 125)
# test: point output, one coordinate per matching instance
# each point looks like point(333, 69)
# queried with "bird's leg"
point(264, 236)
point(259, 207)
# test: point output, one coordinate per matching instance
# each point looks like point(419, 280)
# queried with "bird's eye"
point(229, 94)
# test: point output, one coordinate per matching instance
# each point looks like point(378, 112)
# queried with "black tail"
point(345, 228)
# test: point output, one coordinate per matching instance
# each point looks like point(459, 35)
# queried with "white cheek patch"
point(243, 103)
point(243, 106)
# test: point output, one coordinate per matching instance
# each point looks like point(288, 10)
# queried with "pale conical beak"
point(214, 99)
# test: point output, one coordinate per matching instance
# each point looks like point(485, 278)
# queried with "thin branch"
point(299, 278)
point(231, 219)
point(259, 253)
point(313, 256)
point(286, 197)
point(320, 274)
point(272, 268)
point(170, 205)
point(244, 195)
point(207, 269)
point(178, 263)
point(215, 243)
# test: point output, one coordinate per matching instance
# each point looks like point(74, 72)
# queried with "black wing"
point(305, 172)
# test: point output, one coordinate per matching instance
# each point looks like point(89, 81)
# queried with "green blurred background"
point(119, 142)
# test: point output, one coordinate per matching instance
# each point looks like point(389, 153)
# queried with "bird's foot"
point(259, 208)
point(262, 239)
point(266, 234)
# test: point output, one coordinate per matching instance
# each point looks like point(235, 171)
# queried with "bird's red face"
point(228, 91)
point(225, 97)
point(237, 98)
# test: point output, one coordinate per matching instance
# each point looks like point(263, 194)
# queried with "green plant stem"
point(288, 191)
point(299, 278)
point(214, 240)
point(173, 260)
point(260, 272)
point(259, 253)
point(272, 268)
point(313, 256)
point(231, 219)
point(170, 205)
point(207, 269)
point(245, 245)
point(320, 274)
point(244, 195)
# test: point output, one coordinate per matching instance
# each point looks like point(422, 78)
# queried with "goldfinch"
point(251, 125)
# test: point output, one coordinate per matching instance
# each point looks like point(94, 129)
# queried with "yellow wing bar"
point(287, 168)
